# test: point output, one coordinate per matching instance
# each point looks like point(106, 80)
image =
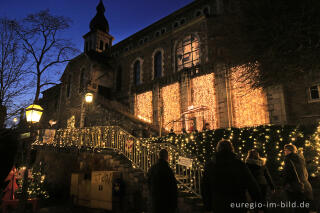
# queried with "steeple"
point(99, 22)
point(98, 39)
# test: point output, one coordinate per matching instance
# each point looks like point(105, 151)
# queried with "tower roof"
point(99, 22)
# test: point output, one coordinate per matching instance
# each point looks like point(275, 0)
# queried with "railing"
point(142, 154)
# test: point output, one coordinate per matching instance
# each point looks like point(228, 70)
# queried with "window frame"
point(181, 44)
point(310, 100)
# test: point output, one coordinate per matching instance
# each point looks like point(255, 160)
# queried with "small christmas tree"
point(12, 186)
point(312, 147)
point(37, 183)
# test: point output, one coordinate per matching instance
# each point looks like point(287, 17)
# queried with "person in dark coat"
point(260, 172)
point(225, 182)
point(294, 172)
point(162, 185)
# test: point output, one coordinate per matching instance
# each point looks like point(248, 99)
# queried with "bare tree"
point(13, 81)
point(39, 33)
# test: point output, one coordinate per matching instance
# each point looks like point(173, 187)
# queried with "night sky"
point(125, 17)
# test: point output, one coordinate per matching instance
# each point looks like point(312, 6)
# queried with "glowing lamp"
point(88, 97)
point(15, 120)
point(34, 113)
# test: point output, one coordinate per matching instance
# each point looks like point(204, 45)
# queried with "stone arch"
point(162, 62)
point(132, 76)
point(175, 46)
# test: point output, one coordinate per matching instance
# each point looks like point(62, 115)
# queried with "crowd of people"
point(231, 185)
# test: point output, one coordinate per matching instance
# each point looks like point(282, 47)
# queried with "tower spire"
point(99, 22)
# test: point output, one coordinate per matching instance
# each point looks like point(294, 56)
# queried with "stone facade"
point(131, 68)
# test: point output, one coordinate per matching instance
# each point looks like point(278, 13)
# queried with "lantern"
point(34, 113)
point(88, 97)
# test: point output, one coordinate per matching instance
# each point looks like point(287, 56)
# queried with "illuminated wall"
point(204, 95)
point(143, 106)
point(249, 106)
point(171, 104)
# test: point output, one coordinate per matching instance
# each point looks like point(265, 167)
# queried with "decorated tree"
point(37, 183)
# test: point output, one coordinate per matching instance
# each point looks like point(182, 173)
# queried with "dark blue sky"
point(125, 16)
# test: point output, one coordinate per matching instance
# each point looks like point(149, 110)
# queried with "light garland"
point(249, 106)
point(143, 106)
point(171, 104)
point(204, 95)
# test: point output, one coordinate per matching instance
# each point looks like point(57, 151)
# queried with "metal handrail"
point(141, 153)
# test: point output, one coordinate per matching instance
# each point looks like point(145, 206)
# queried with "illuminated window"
point(187, 52)
point(137, 70)
point(314, 93)
point(157, 65)
point(170, 105)
point(249, 106)
point(204, 101)
point(143, 106)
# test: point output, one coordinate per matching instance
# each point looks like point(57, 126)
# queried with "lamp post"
point(88, 98)
point(33, 116)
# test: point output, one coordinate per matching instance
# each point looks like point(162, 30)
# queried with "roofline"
point(168, 17)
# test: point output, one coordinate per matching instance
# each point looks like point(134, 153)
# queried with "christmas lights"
point(204, 95)
point(143, 106)
point(249, 106)
point(171, 104)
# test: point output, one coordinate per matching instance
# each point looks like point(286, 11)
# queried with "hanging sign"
point(187, 162)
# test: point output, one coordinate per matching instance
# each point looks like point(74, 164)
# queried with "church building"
point(169, 76)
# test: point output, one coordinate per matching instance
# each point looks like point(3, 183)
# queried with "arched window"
point(101, 45)
point(187, 52)
point(119, 79)
point(157, 65)
point(69, 86)
point(137, 70)
point(81, 82)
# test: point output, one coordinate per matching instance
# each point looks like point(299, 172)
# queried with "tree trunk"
point(3, 115)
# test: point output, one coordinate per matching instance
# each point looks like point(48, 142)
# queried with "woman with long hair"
point(257, 166)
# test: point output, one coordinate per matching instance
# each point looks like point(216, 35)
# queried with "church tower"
point(98, 39)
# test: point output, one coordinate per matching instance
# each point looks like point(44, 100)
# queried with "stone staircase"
point(136, 198)
point(135, 188)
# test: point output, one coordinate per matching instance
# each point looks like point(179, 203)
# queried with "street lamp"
point(89, 97)
point(33, 116)
point(33, 113)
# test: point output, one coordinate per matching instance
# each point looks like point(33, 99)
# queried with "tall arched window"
point(119, 79)
point(187, 52)
point(81, 82)
point(157, 65)
point(137, 70)
point(69, 86)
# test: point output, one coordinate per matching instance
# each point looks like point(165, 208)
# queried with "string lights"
point(204, 95)
point(171, 104)
point(143, 106)
point(249, 106)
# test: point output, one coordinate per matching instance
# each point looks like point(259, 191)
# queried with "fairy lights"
point(143, 106)
point(204, 95)
point(249, 106)
point(171, 104)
